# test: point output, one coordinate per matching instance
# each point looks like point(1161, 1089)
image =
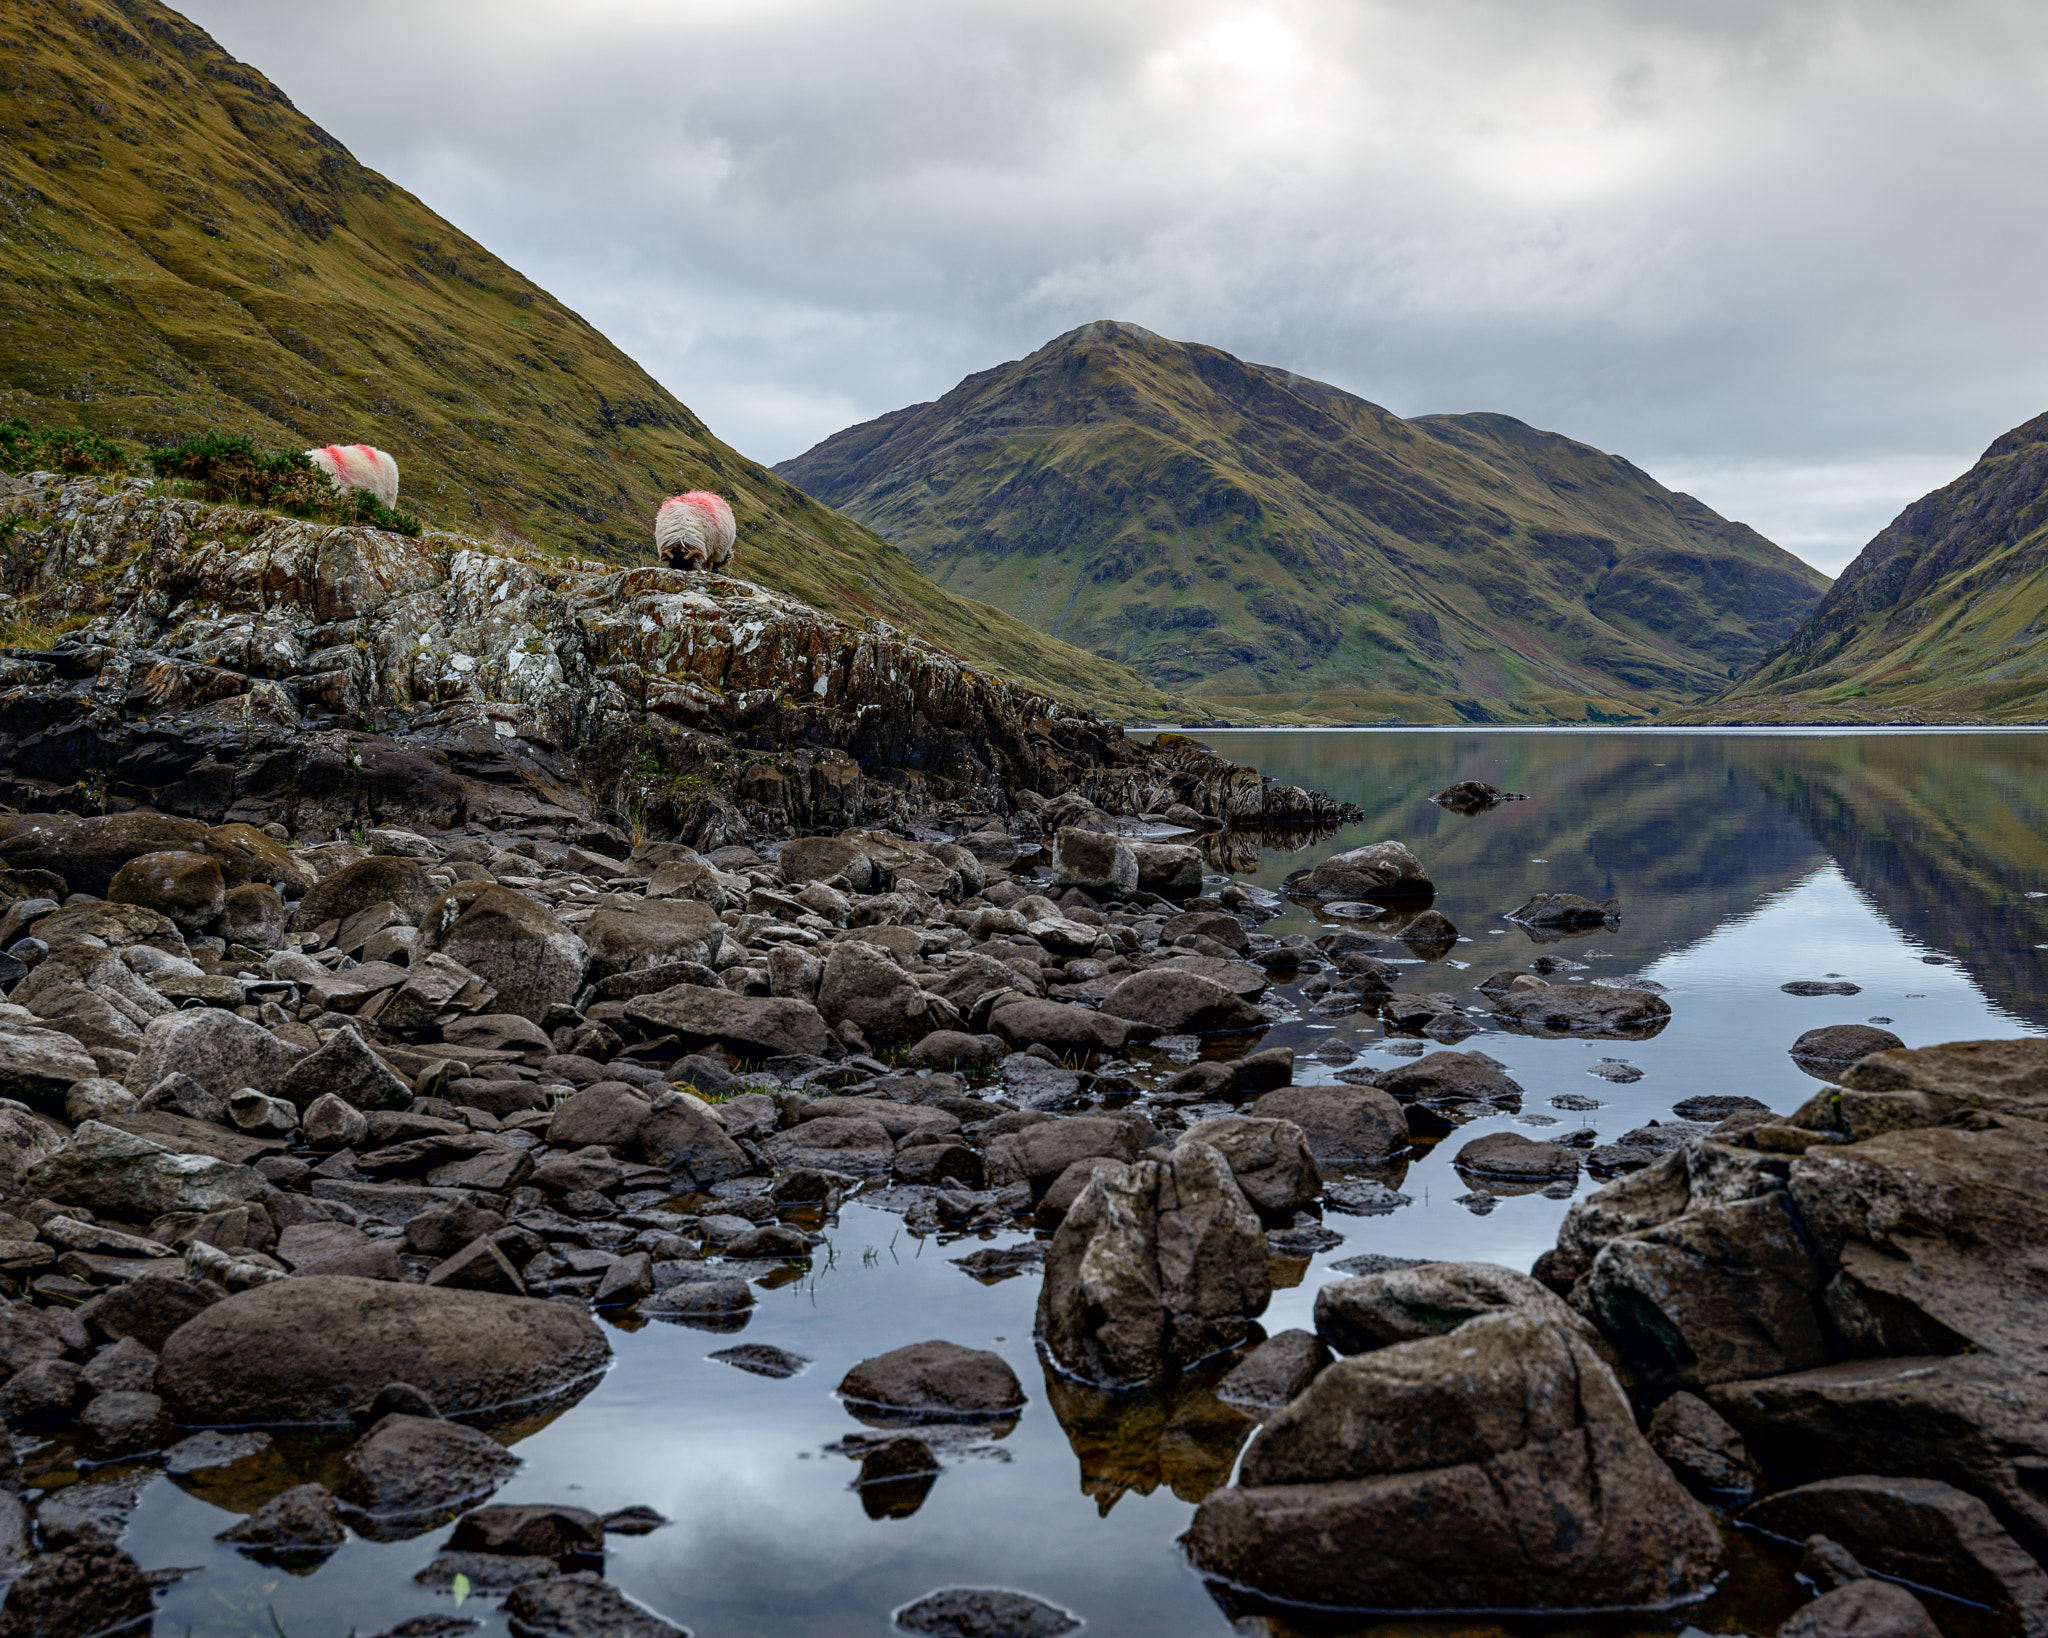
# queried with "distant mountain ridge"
point(1944, 614)
point(182, 250)
point(1267, 541)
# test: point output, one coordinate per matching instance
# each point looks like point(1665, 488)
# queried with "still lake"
point(1912, 864)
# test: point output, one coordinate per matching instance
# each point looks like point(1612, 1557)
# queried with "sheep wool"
point(694, 531)
point(358, 466)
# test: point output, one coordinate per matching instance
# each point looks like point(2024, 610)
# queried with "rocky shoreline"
point(360, 1131)
point(234, 665)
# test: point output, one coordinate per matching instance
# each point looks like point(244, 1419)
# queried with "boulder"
point(1833, 1046)
point(380, 879)
point(606, 1112)
point(417, 1464)
point(934, 1382)
point(843, 1143)
point(1698, 1445)
point(510, 942)
point(1067, 1030)
point(186, 887)
point(1385, 873)
point(81, 1591)
point(529, 1532)
point(632, 935)
point(117, 926)
point(825, 858)
point(1564, 910)
point(1172, 870)
point(88, 852)
point(147, 1311)
point(216, 1048)
point(253, 915)
point(583, 1605)
point(1720, 1293)
point(108, 1170)
point(1510, 1157)
point(1270, 1159)
point(985, 1612)
point(1392, 1305)
point(1918, 1530)
point(1862, 1609)
point(1158, 1265)
point(309, 1350)
point(1039, 1153)
point(1173, 1001)
point(750, 1027)
point(300, 1521)
point(1104, 866)
point(38, 1067)
point(862, 986)
point(1978, 1422)
point(344, 1067)
point(1583, 1009)
point(1452, 1077)
point(682, 1136)
point(330, 1122)
point(1275, 1372)
point(1493, 1466)
point(1340, 1123)
point(1430, 935)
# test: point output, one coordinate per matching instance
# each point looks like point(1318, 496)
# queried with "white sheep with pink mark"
point(358, 466)
point(695, 531)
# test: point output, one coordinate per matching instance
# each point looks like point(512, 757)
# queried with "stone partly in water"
point(312, 1350)
point(1494, 1466)
point(1158, 1265)
point(1385, 872)
point(978, 1612)
point(935, 1382)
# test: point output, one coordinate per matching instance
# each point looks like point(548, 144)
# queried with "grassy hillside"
point(181, 249)
point(1943, 616)
point(1272, 543)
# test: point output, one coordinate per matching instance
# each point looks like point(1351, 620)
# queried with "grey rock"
point(311, 1349)
point(300, 1521)
point(1270, 1159)
point(985, 1612)
point(1175, 1001)
point(1699, 1446)
point(219, 1050)
point(582, 1605)
point(1275, 1372)
point(532, 960)
point(1340, 1122)
point(1494, 1466)
point(344, 1067)
point(1862, 1609)
point(934, 1382)
point(415, 1464)
point(1158, 1265)
point(105, 1169)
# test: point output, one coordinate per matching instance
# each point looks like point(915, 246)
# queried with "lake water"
point(1901, 862)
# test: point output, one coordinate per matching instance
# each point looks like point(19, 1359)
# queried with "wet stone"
point(970, 1612)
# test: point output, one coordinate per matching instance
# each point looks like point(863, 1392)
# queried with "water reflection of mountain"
point(1946, 835)
point(1943, 833)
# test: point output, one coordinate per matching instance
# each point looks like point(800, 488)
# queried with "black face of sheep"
point(694, 531)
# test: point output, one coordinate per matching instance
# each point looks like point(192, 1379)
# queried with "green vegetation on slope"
point(182, 251)
point(1944, 615)
point(1272, 543)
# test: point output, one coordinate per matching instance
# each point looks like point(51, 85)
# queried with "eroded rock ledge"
point(233, 665)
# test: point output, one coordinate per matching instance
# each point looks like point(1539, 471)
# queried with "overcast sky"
point(1786, 256)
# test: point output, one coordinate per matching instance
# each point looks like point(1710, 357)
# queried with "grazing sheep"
point(694, 531)
point(358, 466)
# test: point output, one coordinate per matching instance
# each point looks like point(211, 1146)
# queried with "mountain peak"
point(1263, 539)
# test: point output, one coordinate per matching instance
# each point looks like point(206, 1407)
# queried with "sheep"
point(358, 466)
point(694, 531)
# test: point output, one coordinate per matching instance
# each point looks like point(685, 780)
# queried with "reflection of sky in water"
point(768, 1536)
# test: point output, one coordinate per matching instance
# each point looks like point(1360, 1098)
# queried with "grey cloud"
point(1783, 253)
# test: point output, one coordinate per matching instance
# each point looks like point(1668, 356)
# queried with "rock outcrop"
point(241, 665)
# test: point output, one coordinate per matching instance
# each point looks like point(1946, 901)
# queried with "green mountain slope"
point(181, 249)
point(1271, 542)
point(1943, 615)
